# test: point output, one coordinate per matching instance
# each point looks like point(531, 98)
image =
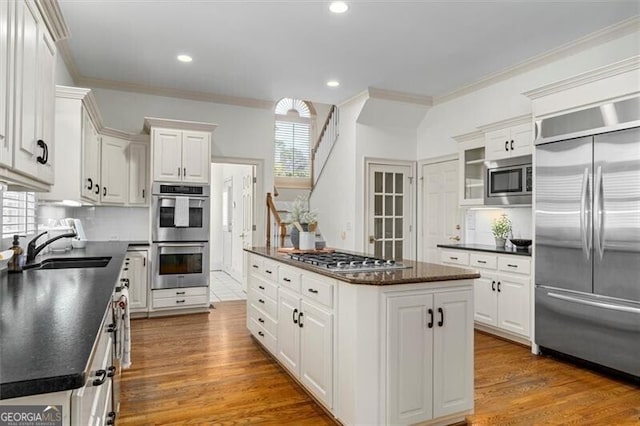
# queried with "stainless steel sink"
point(71, 262)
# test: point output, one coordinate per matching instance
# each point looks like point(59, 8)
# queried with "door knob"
point(455, 238)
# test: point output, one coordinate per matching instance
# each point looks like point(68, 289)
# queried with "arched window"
point(292, 153)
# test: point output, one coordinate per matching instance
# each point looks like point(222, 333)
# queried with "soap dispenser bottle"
point(17, 261)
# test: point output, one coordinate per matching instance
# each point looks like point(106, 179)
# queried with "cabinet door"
point(6, 107)
point(196, 156)
point(28, 34)
point(316, 352)
point(513, 304)
point(167, 155)
point(522, 137)
point(409, 359)
point(138, 267)
point(138, 192)
point(113, 164)
point(289, 331)
point(498, 144)
point(485, 299)
point(46, 103)
point(472, 171)
point(90, 159)
point(453, 353)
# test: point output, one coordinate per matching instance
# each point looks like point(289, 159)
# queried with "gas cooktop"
point(342, 262)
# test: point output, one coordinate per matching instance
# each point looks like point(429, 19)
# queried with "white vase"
point(500, 242)
point(307, 241)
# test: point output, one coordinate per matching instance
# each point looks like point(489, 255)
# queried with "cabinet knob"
point(511, 144)
point(493, 286)
point(499, 286)
point(90, 183)
point(441, 322)
point(506, 145)
point(430, 323)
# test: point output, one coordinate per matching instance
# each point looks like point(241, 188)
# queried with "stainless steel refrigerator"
point(587, 235)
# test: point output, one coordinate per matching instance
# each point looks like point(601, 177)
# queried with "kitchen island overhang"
point(387, 347)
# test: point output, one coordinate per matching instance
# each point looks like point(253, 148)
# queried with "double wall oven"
point(180, 233)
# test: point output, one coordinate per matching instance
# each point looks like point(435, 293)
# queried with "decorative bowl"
point(520, 243)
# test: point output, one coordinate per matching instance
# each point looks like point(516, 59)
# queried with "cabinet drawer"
point(486, 261)
point(454, 257)
point(289, 277)
point(263, 287)
point(514, 264)
point(180, 301)
point(179, 292)
point(255, 264)
point(269, 270)
point(268, 323)
point(264, 303)
point(266, 338)
point(318, 289)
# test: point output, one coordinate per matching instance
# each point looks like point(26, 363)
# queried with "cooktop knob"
point(354, 263)
point(391, 262)
point(366, 262)
point(341, 264)
point(379, 262)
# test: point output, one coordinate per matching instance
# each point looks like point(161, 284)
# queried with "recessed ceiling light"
point(185, 58)
point(338, 7)
point(333, 83)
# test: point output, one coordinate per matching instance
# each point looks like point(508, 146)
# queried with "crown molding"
point(174, 93)
point(71, 92)
point(621, 67)
point(391, 95)
point(612, 32)
point(502, 124)
point(131, 137)
point(465, 137)
point(53, 19)
point(362, 96)
point(167, 123)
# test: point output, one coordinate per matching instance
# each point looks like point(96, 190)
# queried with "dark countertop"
point(419, 272)
point(489, 249)
point(50, 319)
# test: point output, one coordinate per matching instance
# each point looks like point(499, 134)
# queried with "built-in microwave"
point(509, 181)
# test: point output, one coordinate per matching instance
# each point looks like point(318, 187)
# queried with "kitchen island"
point(381, 346)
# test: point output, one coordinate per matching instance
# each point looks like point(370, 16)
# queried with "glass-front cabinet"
point(471, 149)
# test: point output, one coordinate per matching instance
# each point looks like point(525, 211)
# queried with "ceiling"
point(267, 50)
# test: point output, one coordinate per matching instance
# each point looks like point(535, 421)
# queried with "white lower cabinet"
point(429, 356)
point(135, 271)
point(180, 297)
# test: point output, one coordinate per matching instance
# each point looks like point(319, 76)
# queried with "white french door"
point(440, 215)
point(389, 210)
point(227, 225)
point(247, 208)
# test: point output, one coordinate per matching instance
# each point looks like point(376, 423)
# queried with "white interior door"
point(439, 205)
point(227, 226)
point(389, 211)
point(247, 208)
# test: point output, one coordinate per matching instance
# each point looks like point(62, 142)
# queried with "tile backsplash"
point(478, 224)
point(103, 223)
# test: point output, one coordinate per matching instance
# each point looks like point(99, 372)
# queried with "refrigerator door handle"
point(584, 215)
point(603, 305)
point(598, 213)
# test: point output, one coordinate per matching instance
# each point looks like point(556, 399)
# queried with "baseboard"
point(503, 334)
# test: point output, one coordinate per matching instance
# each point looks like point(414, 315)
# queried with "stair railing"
point(322, 148)
point(282, 227)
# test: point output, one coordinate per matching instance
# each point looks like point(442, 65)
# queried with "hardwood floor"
point(206, 369)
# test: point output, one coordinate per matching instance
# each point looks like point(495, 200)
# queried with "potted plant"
point(501, 227)
point(301, 219)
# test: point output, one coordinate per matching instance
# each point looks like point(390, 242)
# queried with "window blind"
point(18, 213)
point(292, 149)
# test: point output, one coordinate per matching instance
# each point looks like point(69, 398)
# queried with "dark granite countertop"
point(419, 272)
point(50, 319)
point(489, 249)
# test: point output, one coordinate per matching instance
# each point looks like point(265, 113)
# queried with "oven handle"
point(178, 244)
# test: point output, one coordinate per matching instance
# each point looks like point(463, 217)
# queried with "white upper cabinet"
point(113, 164)
point(90, 146)
point(138, 173)
point(181, 156)
point(471, 168)
point(513, 141)
point(6, 148)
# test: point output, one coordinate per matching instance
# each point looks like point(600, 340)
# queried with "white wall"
point(478, 224)
point(63, 78)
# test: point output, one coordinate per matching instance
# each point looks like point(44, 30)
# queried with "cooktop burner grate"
point(346, 262)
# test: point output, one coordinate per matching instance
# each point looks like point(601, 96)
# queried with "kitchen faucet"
point(32, 250)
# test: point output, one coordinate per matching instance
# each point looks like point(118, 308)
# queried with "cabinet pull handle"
point(300, 320)
point(453, 258)
point(144, 261)
point(482, 261)
point(97, 189)
point(506, 145)
point(295, 319)
point(90, 183)
point(261, 333)
point(179, 170)
point(112, 328)
point(285, 279)
point(260, 320)
point(180, 301)
point(510, 265)
point(102, 377)
point(261, 287)
point(111, 371)
point(430, 323)
point(104, 191)
point(184, 172)
point(314, 291)
point(125, 269)
point(261, 301)
point(143, 193)
point(255, 266)
point(42, 159)
point(112, 418)
point(493, 286)
point(178, 293)
point(499, 286)
point(511, 144)
point(441, 322)
point(267, 271)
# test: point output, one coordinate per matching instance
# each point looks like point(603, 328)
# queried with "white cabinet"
point(33, 112)
point(113, 166)
point(138, 157)
point(180, 298)
point(429, 356)
point(90, 146)
point(471, 168)
point(181, 155)
point(6, 18)
point(136, 271)
point(509, 142)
